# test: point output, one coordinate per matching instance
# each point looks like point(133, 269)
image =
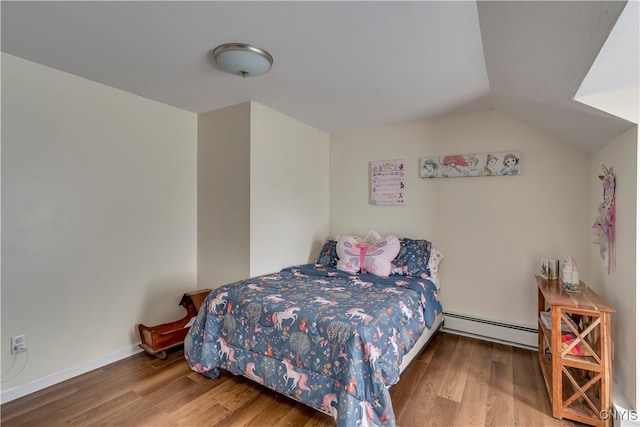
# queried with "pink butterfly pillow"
point(375, 258)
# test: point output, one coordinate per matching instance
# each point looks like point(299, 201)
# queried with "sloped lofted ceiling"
point(342, 65)
point(539, 53)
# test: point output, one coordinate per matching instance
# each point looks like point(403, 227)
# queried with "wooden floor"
point(456, 381)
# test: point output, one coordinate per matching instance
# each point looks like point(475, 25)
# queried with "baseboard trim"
point(491, 330)
point(621, 414)
point(58, 377)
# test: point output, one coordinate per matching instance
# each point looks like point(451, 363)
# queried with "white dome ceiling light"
point(242, 59)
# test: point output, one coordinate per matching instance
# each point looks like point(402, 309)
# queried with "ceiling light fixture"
point(242, 59)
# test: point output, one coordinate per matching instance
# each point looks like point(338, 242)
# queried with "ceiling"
point(347, 65)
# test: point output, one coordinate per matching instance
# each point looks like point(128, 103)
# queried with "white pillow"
point(434, 260)
point(368, 239)
point(377, 256)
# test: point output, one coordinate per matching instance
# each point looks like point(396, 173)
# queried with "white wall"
point(98, 219)
point(289, 190)
point(492, 230)
point(223, 195)
point(619, 288)
point(263, 193)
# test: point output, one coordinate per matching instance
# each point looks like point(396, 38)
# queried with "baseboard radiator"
point(491, 330)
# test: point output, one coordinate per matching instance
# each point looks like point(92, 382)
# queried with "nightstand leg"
point(556, 367)
point(605, 391)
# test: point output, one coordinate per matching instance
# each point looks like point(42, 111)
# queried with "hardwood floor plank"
point(542, 398)
point(103, 410)
point(150, 383)
point(456, 378)
point(204, 410)
point(431, 382)
point(320, 420)
point(299, 415)
point(184, 396)
point(280, 407)
point(401, 391)
point(79, 401)
point(473, 407)
point(523, 366)
point(500, 396)
point(430, 349)
point(200, 416)
point(241, 392)
point(91, 406)
point(455, 381)
point(134, 413)
point(251, 415)
point(525, 390)
point(23, 406)
point(442, 413)
point(501, 353)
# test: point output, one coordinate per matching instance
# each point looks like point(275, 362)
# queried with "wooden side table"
point(155, 340)
point(575, 351)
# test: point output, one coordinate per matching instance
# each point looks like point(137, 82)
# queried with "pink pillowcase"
point(376, 258)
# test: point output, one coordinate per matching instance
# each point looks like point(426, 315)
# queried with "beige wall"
point(263, 193)
point(492, 230)
point(289, 190)
point(224, 195)
point(98, 219)
point(619, 288)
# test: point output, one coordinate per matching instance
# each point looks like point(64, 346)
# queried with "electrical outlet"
point(18, 344)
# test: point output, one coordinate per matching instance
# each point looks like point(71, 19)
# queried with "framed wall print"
point(497, 163)
point(387, 182)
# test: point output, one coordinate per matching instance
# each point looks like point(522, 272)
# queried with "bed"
point(332, 339)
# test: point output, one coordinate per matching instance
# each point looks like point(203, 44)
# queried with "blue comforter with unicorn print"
point(330, 339)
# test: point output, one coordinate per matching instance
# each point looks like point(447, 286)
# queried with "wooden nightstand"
point(579, 385)
point(157, 339)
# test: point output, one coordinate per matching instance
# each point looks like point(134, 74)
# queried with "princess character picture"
point(429, 169)
point(471, 164)
point(491, 167)
point(510, 163)
point(453, 165)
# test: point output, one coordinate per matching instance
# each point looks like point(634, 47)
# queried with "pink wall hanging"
point(605, 223)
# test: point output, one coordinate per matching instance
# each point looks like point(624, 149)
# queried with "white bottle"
point(567, 274)
point(575, 278)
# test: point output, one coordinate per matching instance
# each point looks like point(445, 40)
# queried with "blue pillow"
point(413, 258)
point(328, 256)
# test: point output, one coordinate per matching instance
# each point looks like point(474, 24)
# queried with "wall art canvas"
point(605, 224)
point(497, 163)
point(387, 182)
